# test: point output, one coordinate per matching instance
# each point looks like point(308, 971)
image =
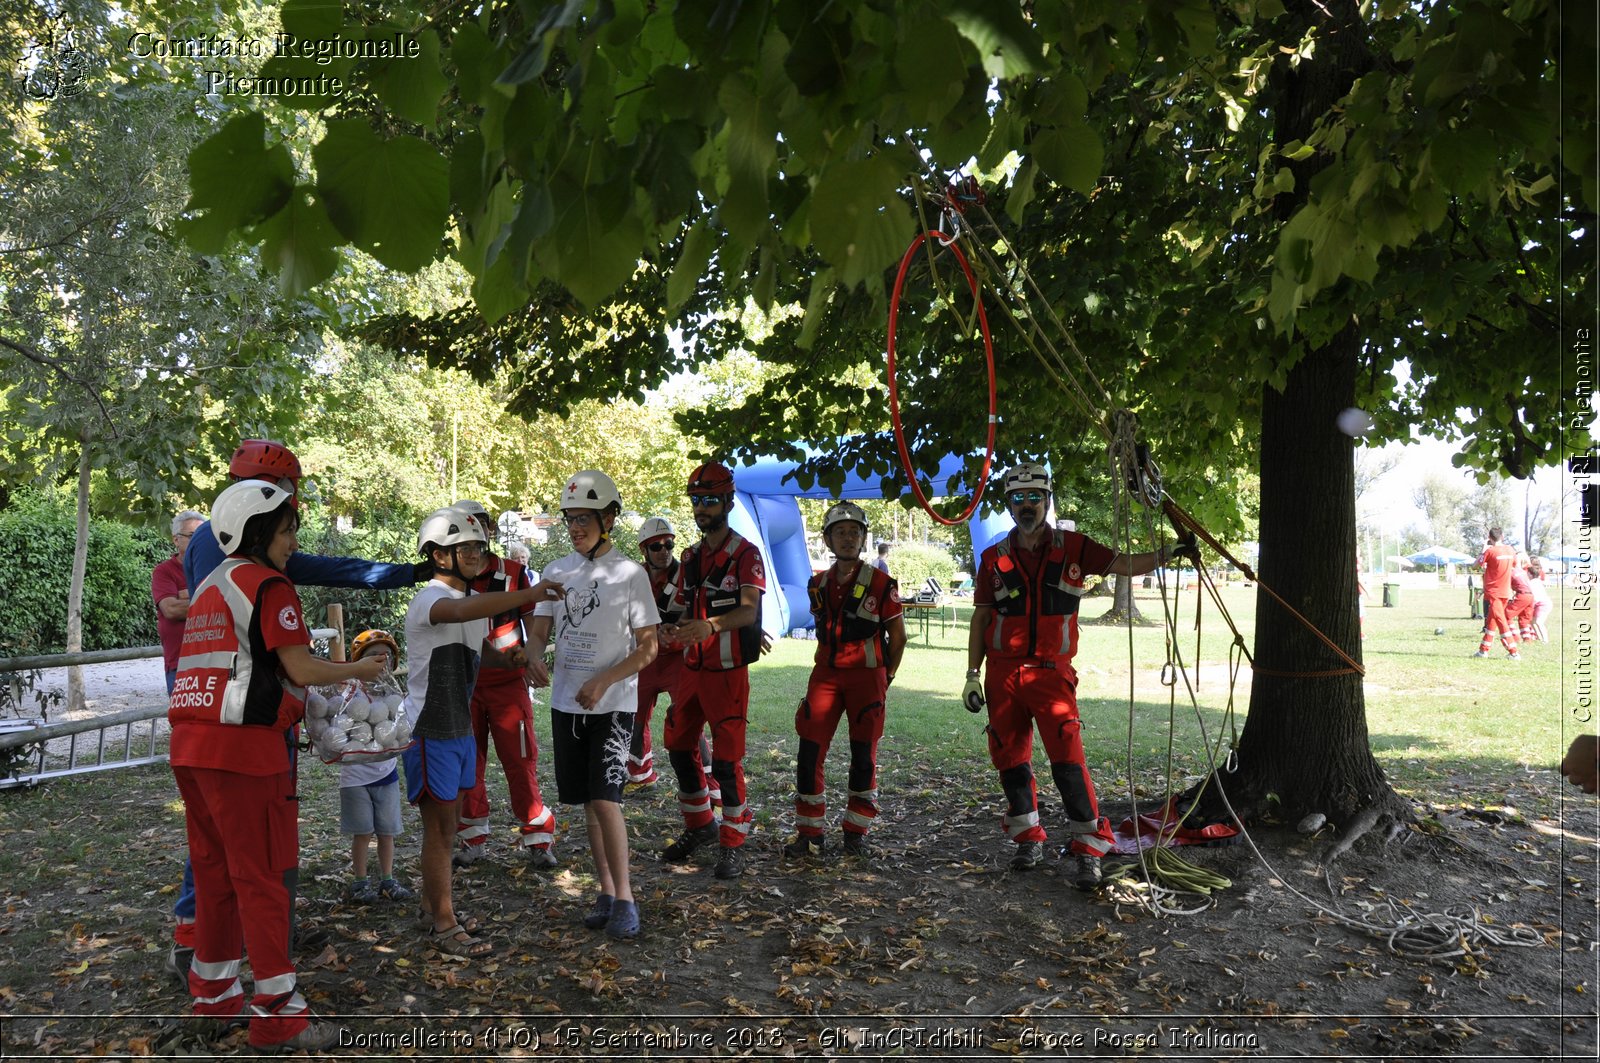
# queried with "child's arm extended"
point(482, 606)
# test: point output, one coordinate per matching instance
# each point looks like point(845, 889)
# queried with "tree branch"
point(33, 354)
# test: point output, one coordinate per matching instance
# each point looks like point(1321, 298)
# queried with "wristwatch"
point(972, 673)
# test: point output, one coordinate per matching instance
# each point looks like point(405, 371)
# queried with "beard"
point(707, 523)
point(1029, 520)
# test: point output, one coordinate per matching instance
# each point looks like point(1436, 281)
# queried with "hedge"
point(36, 539)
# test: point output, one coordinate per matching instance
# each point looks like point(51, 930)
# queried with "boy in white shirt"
point(605, 632)
point(445, 633)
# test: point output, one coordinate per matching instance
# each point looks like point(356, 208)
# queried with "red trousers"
point(243, 835)
point(1023, 692)
point(831, 693)
point(504, 711)
point(1519, 614)
point(1495, 619)
point(722, 700)
point(661, 676)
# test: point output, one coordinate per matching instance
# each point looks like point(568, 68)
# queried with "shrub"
point(37, 533)
point(912, 563)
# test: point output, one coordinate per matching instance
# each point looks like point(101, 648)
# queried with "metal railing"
point(59, 750)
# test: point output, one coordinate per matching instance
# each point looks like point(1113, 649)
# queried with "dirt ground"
point(933, 949)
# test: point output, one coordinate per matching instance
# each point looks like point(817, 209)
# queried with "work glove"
point(972, 694)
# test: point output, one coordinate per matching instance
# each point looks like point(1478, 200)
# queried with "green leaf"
point(929, 66)
point(691, 266)
point(530, 62)
point(298, 243)
point(1071, 155)
point(1462, 159)
point(484, 234)
point(868, 223)
point(596, 244)
point(388, 197)
point(237, 180)
point(999, 30)
point(822, 285)
point(1022, 191)
point(499, 291)
point(312, 20)
point(412, 88)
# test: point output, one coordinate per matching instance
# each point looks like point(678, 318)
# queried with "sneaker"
point(361, 891)
point(730, 862)
point(178, 964)
point(390, 890)
point(314, 1038)
point(691, 839)
point(804, 847)
point(1513, 656)
point(624, 921)
point(467, 855)
point(1029, 856)
point(542, 858)
point(1481, 653)
point(1085, 871)
point(600, 914)
point(856, 845)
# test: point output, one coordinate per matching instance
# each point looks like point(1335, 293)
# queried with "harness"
point(859, 620)
point(713, 599)
point(1053, 589)
point(667, 590)
point(505, 629)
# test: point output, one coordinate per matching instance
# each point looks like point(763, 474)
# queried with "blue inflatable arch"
point(767, 512)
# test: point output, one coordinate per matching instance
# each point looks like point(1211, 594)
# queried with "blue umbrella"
point(1440, 555)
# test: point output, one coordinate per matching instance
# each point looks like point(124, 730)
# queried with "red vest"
point(1035, 614)
point(225, 673)
point(703, 596)
point(853, 636)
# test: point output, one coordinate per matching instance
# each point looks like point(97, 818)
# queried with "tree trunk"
point(1305, 738)
point(1123, 608)
point(80, 557)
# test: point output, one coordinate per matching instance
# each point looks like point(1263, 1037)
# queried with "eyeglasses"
point(469, 550)
point(658, 547)
point(1019, 497)
point(578, 520)
point(698, 501)
point(183, 535)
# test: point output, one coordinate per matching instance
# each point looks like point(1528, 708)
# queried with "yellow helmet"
point(363, 643)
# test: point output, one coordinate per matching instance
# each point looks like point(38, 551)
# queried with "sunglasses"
point(658, 547)
point(1019, 497)
point(705, 500)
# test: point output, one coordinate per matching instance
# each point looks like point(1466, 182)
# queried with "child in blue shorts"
point(446, 632)
point(369, 800)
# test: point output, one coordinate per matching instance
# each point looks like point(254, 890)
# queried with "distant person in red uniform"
point(861, 635)
point(1519, 610)
point(242, 674)
point(502, 708)
point(171, 592)
point(717, 618)
point(1497, 561)
point(1025, 623)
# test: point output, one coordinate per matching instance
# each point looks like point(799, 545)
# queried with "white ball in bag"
point(384, 733)
point(402, 732)
point(316, 706)
point(334, 741)
point(360, 733)
point(359, 708)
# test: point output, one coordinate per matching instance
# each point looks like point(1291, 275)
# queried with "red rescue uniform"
point(714, 687)
point(1030, 639)
point(1497, 560)
point(232, 711)
point(849, 678)
point(502, 708)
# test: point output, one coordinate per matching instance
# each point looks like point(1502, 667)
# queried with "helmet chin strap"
point(605, 536)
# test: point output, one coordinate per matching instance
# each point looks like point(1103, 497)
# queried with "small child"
point(369, 800)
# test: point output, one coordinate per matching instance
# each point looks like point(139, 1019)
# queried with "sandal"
point(465, 922)
point(455, 941)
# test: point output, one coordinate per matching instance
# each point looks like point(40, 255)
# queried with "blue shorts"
point(445, 767)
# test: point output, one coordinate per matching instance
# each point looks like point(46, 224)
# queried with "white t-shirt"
point(607, 600)
point(442, 666)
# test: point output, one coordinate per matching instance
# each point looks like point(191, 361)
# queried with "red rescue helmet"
point(262, 459)
point(712, 478)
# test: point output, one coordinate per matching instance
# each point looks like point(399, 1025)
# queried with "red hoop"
point(894, 390)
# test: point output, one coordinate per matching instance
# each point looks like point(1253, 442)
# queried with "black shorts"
point(591, 755)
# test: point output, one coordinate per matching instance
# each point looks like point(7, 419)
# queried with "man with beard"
point(716, 615)
point(1025, 621)
point(861, 636)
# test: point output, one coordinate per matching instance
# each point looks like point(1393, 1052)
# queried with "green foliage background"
point(912, 563)
point(36, 536)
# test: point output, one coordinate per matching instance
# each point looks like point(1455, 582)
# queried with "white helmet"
point(839, 513)
point(449, 527)
point(1028, 476)
point(237, 504)
point(590, 489)
point(476, 511)
point(655, 528)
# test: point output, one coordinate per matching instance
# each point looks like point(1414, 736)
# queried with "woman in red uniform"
point(242, 672)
